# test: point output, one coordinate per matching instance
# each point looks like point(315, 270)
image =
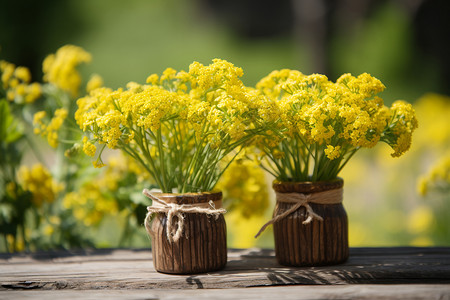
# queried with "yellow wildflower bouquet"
point(30, 197)
point(178, 126)
point(322, 124)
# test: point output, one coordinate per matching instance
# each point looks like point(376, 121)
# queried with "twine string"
point(175, 229)
point(299, 200)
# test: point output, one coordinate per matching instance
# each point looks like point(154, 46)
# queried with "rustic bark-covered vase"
point(318, 242)
point(202, 246)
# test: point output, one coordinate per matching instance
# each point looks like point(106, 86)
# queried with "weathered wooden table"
point(370, 273)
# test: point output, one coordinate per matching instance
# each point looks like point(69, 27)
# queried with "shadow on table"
point(259, 267)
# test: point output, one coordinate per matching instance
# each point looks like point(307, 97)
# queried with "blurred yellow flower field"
point(64, 202)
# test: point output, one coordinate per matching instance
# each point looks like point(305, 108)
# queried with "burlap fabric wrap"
point(175, 213)
point(299, 199)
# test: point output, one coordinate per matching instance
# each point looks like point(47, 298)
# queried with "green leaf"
point(9, 129)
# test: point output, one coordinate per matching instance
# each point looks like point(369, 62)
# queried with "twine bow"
point(326, 197)
point(174, 230)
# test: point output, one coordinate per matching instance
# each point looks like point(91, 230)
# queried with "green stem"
point(347, 160)
point(159, 142)
point(143, 145)
point(196, 159)
point(203, 166)
point(288, 156)
point(305, 172)
point(271, 172)
point(131, 152)
point(316, 152)
point(174, 144)
point(214, 182)
point(297, 159)
point(281, 171)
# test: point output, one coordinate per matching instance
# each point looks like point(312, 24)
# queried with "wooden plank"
point(374, 292)
point(133, 269)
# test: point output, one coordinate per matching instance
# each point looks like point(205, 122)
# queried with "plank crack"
point(22, 285)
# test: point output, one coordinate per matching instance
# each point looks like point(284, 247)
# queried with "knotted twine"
point(174, 230)
point(326, 197)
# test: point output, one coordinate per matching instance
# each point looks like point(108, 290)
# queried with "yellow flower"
point(33, 92)
point(17, 241)
point(332, 152)
point(37, 121)
point(168, 75)
point(245, 189)
point(274, 84)
point(16, 83)
point(278, 154)
point(422, 186)
point(48, 230)
point(364, 84)
point(11, 95)
point(98, 163)
point(23, 74)
point(437, 179)
point(95, 82)
point(51, 129)
point(153, 79)
point(7, 70)
point(88, 147)
point(60, 68)
point(202, 114)
point(401, 127)
point(90, 204)
point(40, 183)
point(315, 115)
point(214, 75)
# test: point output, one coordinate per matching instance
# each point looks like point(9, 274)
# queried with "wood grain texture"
point(363, 291)
point(202, 247)
point(314, 244)
point(133, 269)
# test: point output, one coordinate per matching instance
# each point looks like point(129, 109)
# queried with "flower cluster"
point(40, 183)
point(16, 83)
point(60, 68)
point(60, 71)
point(323, 123)
point(89, 205)
point(433, 143)
point(51, 129)
point(244, 188)
point(178, 126)
point(438, 178)
point(95, 82)
point(108, 193)
point(32, 196)
point(402, 123)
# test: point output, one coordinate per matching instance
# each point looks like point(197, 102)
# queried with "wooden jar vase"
point(202, 246)
point(318, 242)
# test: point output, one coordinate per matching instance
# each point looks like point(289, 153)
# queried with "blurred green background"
point(402, 43)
